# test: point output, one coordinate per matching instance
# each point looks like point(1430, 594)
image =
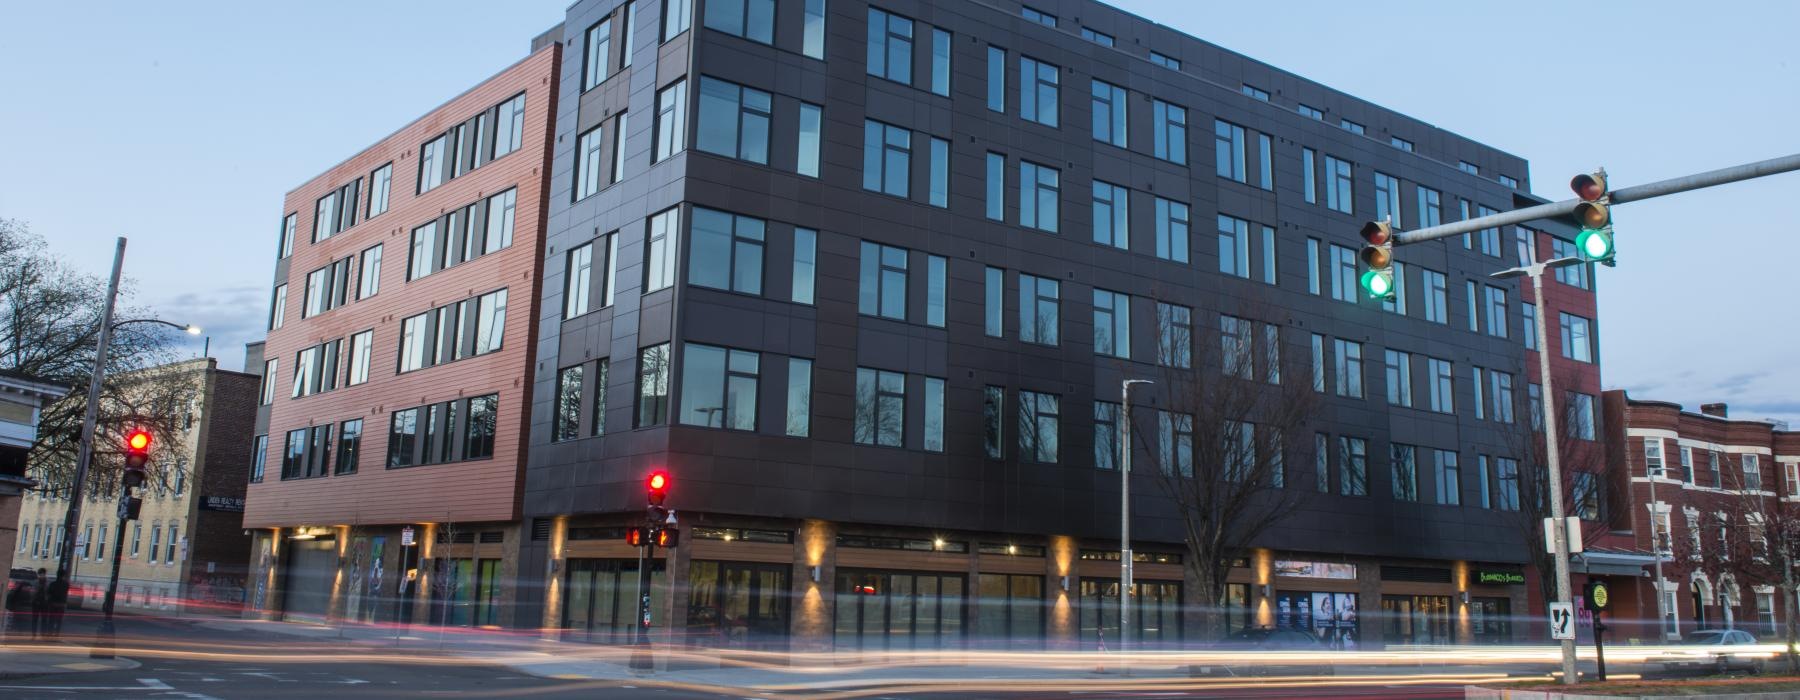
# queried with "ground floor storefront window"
point(1155, 613)
point(1332, 617)
point(1010, 611)
point(1416, 619)
point(468, 592)
point(601, 599)
point(1490, 620)
point(741, 605)
point(898, 610)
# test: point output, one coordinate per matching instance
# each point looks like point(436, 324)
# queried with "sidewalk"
point(38, 659)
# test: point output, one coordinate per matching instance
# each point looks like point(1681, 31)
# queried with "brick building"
point(401, 330)
point(1702, 488)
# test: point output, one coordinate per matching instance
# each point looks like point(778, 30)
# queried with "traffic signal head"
point(132, 506)
point(137, 448)
point(636, 536)
point(658, 486)
point(667, 537)
point(1378, 255)
point(1593, 213)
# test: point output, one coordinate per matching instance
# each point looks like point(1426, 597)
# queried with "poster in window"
point(1334, 619)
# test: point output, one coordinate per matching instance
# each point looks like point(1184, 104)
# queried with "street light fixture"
point(1552, 459)
point(1125, 511)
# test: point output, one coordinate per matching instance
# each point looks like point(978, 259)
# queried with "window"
point(805, 264)
point(718, 387)
point(939, 193)
point(1038, 417)
point(940, 62)
point(1348, 368)
point(1312, 265)
point(1575, 343)
point(268, 381)
point(1437, 297)
point(362, 346)
point(671, 120)
point(660, 255)
point(887, 158)
point(431, 163)
point(1387, 198)
point(380, 182)
point(1352, 127)
point(996, 186)
point(598, 50)
point(1112, 209)
point(1109, 113)
point(1318, 362)
point(1096, 37)
point(490, 322)
point(578, 281)
point(1468, 167)
point(994, 302)
point(1255, 92)
point(1490, 237)
point(1524, 242)
point(653, 385)
point(316, 368)
point(1265, 148)
point(1169, 124)
point(1474, 308)
point(1581, 416)
point(259, 456)
point(1037, 91)
point(369, 271)
point(1687, 460)
point(336, 211)
point(1501, 392)
point(1397, 303)
point(996, 79)
point(285, 247)
point(1448, 478)
point(1039, 187)
point(1343, 274)
point(1228, 141)
point(1338, 185)
point(600, 387)
point(1043, 18)
point(1237, 347)
point(567, 425)
point(882, 290)
point(479, 428)
point(1752, 468)
point(812, 30)
point(349, 446)
point(1440, 377)
point(1400, 143)
point(1039, 309)
point(993, 403)
point(155, 543)
point(1234, 246)
point(806, 160)
point(880, 407)
point(1404, 471)
point(934, 414)
point(1165, 61)
point(1506, 479)
point(1175, 442)
point(750, 19)
point(1353, 466)
point(1573, 275)
point(725, 251)
point(443, 334)
point(278, 307)
point(1106, 435)
point(618, 146)
point(629, 39)
point(1171, 230)
point(890, 46)
point(1112, 324)
point(935, 279)
point(308, 451)
point(1528, 325)
point(799, 397)
point(1496, 312)
point(510, 132)
point(734, 120)
point(589, 159)
point(327, 288)
point(1399, 378)
point(677, 16)
point(1309, 112)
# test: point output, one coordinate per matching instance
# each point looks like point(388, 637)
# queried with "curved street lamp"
point(188, 328)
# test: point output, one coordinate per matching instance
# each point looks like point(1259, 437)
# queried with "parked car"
point(1720, 650)
point(1275, 641)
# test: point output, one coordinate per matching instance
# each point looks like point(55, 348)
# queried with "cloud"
point(229, 316)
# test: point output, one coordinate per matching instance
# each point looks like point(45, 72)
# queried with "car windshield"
point(1704, 638)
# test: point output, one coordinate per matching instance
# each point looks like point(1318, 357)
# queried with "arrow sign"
point(1562, 621)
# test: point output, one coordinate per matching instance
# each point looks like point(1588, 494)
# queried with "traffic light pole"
point(1125, 562)
point(103, 646)
point(640, 656)
point(66, 558)
point(1685, 183)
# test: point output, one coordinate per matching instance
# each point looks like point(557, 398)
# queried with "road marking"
point(154, 684)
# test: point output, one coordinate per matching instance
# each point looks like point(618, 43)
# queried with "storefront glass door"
point(601, 599)
point(898, 610)
point(1155, 613)
point(738, 604)
point(1416, 619)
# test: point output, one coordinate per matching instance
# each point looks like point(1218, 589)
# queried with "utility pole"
point(1552, 460)
point(66, 558)
point(1125, 562)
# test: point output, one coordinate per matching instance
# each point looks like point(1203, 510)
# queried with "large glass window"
point(1106, 435)
point(403, 438)
point(890, 46)
point(1448, 477)
point(1404, 471)
point(1437, 296)
point(1234, 246)
point(993, 405)
point(567, 423)
point(993, 308)
point(653, 385)
point(799, 397)
point(996, 79)
point(936, 277)
point(1109, 113)
point(369, 274)
point(671, 120)
point(1399, 378)
point(887, 158)
point(812, 30)
point(938, 194)
point(940, 62)
point(381, 182)
point(1387, 199)
point(1038, 421)
point(510, 132)
point(1353, 466)
point(750, 19)
point(590, 159)
point(678, 15)
point(996, 186)
point(1349, 369)
point(1175, 442)
point(1039, 189)
point(1039, 309)
point(1575, 343)
point(934, 414)
point(882, 289)
point(718, 387)
point(598, 50)
point(1440, 378)
point(578, 281)
point(659, 258)
point(880, 407)
point(1169, 126)
point(734, 120)
point(806, 256)
point(1038, 91)
point(1112, 324)
point(1229, 145)
point(1339, 185)
point(1175, 335)
point(806, 160)
point(725, 251)
point(1344, 286)
point(1112, 215)
point(362, 347)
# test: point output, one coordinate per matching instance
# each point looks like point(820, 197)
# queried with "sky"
point(182, 126)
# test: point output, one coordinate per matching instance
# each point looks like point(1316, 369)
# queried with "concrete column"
point(1465, 629)
point(553, 578)
point(815, 548)
point(1262, 562)
point(1062, 628)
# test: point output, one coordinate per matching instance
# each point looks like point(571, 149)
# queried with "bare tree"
point(1763, 542)
point(49, 320)
point(1221, 439)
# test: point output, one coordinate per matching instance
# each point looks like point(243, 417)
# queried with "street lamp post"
point(1125, 510)
point(1552, 459)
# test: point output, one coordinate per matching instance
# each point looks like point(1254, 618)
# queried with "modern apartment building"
point(1705, 492)
point(394, 403)
point(865, 278)
point(187, 549)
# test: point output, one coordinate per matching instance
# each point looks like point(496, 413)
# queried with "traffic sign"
point(1598, 598)
point(406, 536)
point(1562, 621)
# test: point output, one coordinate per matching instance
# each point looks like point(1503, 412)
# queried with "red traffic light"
point(658, 485)
point(1590, 187)
point(635, 536)
point(138, 440)
point(1377, 232)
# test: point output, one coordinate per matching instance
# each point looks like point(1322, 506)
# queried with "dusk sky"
point(183, 125)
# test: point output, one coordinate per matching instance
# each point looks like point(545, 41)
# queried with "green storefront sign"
point(1491, 578)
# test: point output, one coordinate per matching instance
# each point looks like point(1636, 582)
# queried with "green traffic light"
point(1378, 283)
point(1595, 244)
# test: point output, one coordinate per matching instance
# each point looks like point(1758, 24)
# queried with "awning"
point(1607, 563)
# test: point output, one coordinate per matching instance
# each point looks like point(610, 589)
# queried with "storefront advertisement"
point(1315, 569)
point(1332, 617)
